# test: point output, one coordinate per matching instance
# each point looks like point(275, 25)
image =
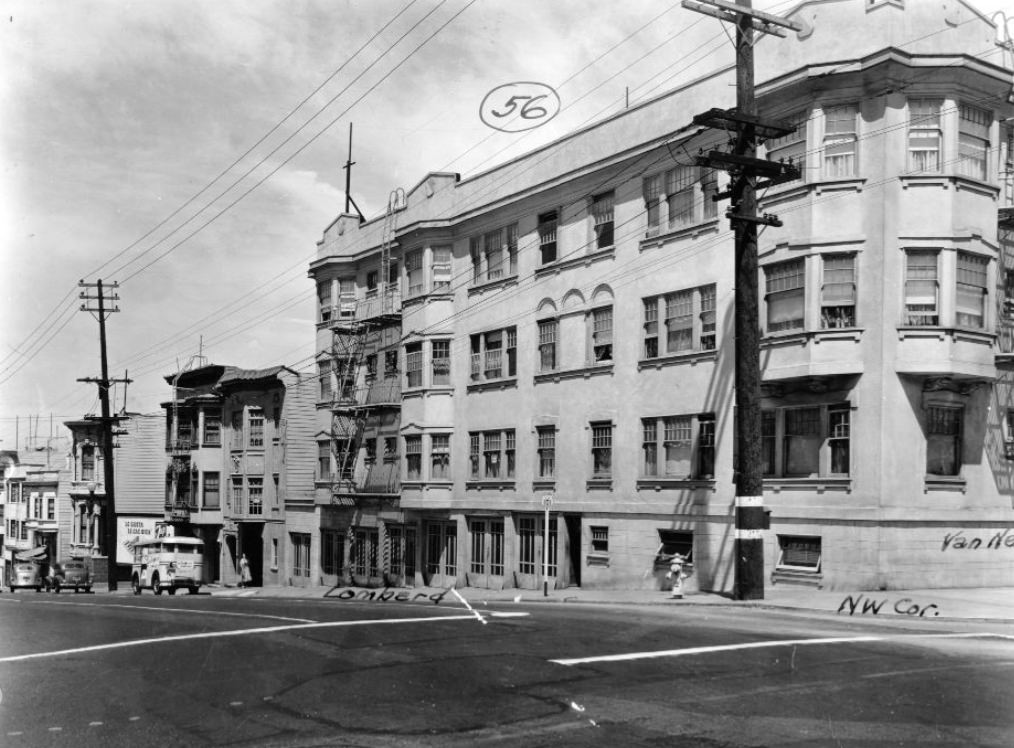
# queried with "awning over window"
point(35, 554)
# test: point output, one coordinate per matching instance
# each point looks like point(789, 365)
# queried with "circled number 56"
point(515, 107)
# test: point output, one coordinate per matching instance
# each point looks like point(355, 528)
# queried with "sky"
point(192, 152)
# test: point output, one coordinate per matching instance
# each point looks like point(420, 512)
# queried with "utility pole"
point(744, 167)
point(106, 419)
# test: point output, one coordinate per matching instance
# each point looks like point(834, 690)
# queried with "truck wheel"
point(135, 585)
point(172, 590)
point(56, 588)
point(192, 590)
point(155, 585)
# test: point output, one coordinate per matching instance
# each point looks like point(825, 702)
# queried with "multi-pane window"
point(689, 322)
point(599, 539)
point(970, 304)
point(791, 148)
point(806, 441)
point(495, 254)
point(491, 444)
point(212, 491)
point(346, 297)
point(679, 190)
point(679, 321)
point(497, 455)
point(212, 428)
point(440, 457)
point(236, 492)
point(602, 334)
point(364, 552)
point(602, 216)
point(300, 554)
point(473, 455)
point(943, 440)
point(371, 366)
point(546, 451)
point(413, 457)
point(256, 428)
point(840, 138)
point(441, 361)
point(548, 331)
point(372, 280)
point(921, 288)
point(686, 449)
point(414, 272)
point(401, 550)
point(414, 364)
point(548, 223)
point(925, 135)
point(494, 354)
point(324, 301)
point(973, 140)
point(602, 449)
point(785, 294)
point(838, 292)
point(255, 495)
point(441, 269)
point(653, 202)
point(324, 376)
point(650, 328)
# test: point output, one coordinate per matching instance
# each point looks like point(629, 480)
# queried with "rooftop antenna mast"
point(348, 181)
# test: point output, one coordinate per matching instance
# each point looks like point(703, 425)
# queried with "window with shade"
point(925, 135)
point(602, 334)
point(791, 148)
point(548, 331)
point(548, 223)
point(785, 295)
point(943, 440)
point(970, 302)
point(921, 287)
point(838, 292)
point(602, 218)
point(840, 141)
point(973, 141)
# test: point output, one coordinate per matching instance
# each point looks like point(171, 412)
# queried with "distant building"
point(138, 465)
point(565, 332)
point(240, 448)
point(32, 505)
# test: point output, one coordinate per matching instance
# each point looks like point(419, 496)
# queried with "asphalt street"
point(118, 670)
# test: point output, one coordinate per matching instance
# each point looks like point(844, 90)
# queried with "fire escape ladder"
point(347, 415)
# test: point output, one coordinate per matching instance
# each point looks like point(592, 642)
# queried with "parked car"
point(74, 573)
point(27, 574)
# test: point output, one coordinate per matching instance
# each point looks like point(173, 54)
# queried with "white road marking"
point(235, 632)
point(95, 724)
point(506, 614)
point(477, 614)
point(762, 645)
point(177, 610)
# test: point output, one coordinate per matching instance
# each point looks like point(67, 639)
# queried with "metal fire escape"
point(354, 329)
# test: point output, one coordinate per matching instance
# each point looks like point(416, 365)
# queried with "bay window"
point(806, 441)
point(679, 447)
point(973, 141)
point(840, 139)
point(838, 291)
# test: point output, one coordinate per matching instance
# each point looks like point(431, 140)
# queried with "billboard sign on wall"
point(129, 530)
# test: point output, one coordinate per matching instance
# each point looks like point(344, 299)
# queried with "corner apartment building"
point(565, 328)
point(239, 446)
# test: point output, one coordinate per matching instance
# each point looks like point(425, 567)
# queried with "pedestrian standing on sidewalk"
point(244, 571)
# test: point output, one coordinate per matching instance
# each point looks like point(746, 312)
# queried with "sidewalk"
point(995, 603)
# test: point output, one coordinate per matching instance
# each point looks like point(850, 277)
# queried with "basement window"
point(799, 553)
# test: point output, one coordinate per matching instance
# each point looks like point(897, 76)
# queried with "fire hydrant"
point(676, 575)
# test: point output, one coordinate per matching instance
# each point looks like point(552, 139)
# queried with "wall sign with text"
point(520, 106)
